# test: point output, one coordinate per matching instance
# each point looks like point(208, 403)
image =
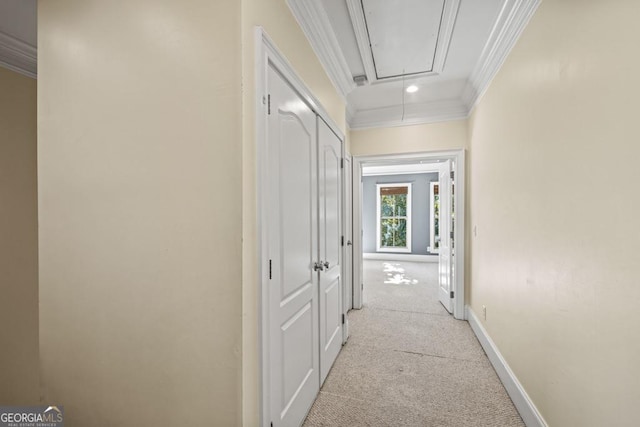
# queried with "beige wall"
point(409, 139)
point(19, 372)
point(278, 22)
point(140, 161)
point(555, 200)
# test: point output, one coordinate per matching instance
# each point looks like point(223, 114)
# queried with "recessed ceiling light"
point(412, 88)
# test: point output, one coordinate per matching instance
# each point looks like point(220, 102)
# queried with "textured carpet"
point(408, 362)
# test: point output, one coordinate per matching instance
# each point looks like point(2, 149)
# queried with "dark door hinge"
point(342, 240)
point(451, 234)
point(269, 104)
point(451, 294)
point(343, 319)
point(270, 271)
point(453, 174)
point(342, 163)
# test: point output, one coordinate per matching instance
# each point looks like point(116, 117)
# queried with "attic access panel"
point(408, 37)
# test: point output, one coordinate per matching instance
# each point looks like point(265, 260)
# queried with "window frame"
point(380, 248)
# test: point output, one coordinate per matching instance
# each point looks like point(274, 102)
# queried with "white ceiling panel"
point(403, 35)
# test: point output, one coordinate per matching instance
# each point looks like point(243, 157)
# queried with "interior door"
point(294, 379)
point(347, 278)
point(330, 216)
point(444, 224)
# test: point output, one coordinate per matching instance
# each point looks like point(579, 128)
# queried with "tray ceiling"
point(448, 49)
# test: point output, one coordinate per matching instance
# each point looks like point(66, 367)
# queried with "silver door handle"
point(317, 266)
point(326, 264)
point(348, 242)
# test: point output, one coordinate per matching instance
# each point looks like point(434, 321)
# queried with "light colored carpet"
point(408, 362)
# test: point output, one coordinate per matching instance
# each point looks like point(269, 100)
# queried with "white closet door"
point(293, 245)
point(330, 217)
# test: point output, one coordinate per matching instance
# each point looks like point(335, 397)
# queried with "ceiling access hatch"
point(404, 37)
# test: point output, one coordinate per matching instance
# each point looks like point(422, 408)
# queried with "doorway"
point(451, 254)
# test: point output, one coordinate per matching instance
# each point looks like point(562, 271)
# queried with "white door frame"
point(347, 247)
point(458, 156)
point(267, 53)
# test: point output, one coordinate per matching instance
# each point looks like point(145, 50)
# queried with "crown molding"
point(414, 114)
point(315, 24)
point(349, 113)
point(18, 56)
point(511, 22)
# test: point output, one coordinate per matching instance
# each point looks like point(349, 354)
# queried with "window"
point(394, 217)
point(434, 230)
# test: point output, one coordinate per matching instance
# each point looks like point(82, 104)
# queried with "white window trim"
point(385, 249)
point(432, 219)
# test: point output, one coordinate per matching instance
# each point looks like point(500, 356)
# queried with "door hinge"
point(453, 174)
point(269, 104)
point(271, 424)
point(270, 271)
point(451, 294)
point(342, 163)
point(362, 286)
point(342, 240)
point(451, 234)
point(343, 319)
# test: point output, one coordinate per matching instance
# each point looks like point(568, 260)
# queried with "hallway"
point(408, 362)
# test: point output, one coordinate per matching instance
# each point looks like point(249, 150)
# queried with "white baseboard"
point(401, 257)
point(528, 411)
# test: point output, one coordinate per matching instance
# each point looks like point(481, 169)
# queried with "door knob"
point(326, 264)
point(348, 242)
point(318, 266)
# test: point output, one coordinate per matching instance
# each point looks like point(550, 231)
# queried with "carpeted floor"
point(408, 362)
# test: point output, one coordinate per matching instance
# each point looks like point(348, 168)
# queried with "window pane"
point(401, 204)
point(386, 237)
point(393, 205)
point(387, 204)
point(393, 233)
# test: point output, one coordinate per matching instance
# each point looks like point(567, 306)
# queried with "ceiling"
point(448, 49)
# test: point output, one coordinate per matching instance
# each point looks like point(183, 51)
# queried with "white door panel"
point(444, 264)
point(297, 366)
point(332, 314)
point(292, 226)
point(330, 153)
